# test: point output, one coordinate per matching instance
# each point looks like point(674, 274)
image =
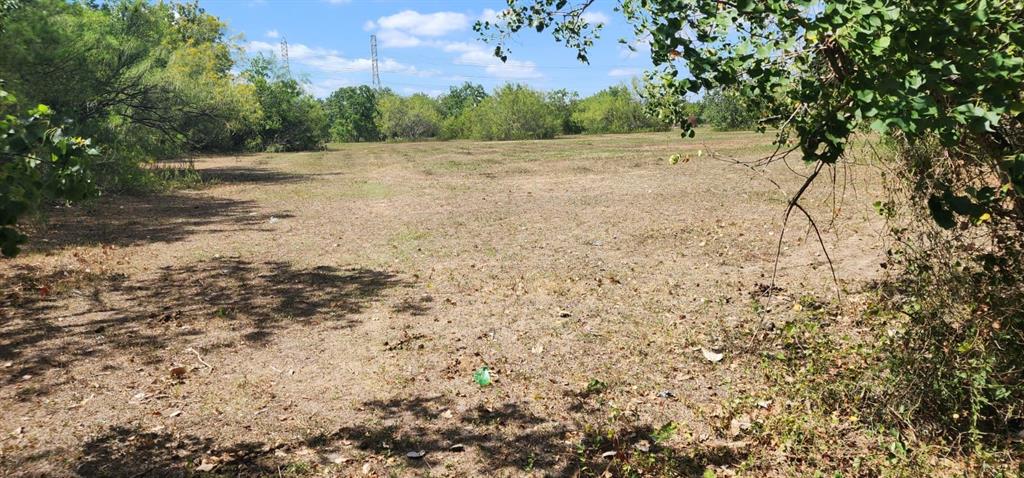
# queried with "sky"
point(423, 45)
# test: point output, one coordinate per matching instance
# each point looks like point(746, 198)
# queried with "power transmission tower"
point(373, 57)
point(284, 57)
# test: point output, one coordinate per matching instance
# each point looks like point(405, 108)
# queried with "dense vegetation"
point(510, 112)
point(943, 83)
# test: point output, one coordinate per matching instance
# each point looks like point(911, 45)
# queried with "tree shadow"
point(505, 439)
point(247, 175)
point(250, 302)
point(145, 219)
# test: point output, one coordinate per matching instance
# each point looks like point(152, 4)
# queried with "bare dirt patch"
point(325, 312)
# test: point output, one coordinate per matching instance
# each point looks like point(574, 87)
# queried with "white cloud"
point(410, 90)
point(492, 16)
point(624, 72)
point(398, 39)
point(424, 24)
point(594, 18)
point(260, 46)
point(323, 88)
point(476, 55)
point(273, 34)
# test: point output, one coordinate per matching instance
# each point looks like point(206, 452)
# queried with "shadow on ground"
point(242, 301)
point(247, 175)
point(156, 218)
point(503, 439)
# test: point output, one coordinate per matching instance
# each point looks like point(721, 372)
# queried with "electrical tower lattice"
point(373, 57)
point(284, 57)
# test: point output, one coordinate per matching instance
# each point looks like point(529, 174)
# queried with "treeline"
point(510, 112)
point(148, 81)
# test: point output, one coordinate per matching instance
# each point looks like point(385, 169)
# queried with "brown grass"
point(343, 299)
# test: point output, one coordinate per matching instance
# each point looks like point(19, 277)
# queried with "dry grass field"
point(322, 314)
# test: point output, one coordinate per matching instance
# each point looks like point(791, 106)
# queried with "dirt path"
point(325, 312)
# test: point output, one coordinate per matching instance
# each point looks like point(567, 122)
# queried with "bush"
point(513, 112)
point(615, 110)
point(413, 117)
point(728, 110)
point(565, 103)
point(38, 163)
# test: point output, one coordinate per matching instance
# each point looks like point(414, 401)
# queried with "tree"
point(414, 117)
point(148, 80)
point(352, 114)
point(728, 110)
point(513, 112)
point(565, 103)
point(461, 98)
point(614, 110)
point(292, 119)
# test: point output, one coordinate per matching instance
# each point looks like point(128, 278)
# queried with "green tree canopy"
point(292, 119)
point(514, 112)
point(615, 110)
point(351, 112)
point(414, 117)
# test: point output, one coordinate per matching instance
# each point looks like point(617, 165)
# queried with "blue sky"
point(423, 45)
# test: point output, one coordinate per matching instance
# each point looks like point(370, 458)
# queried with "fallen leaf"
point(206, 466)
point(609, 455)
point(711, 356)
point(174, 413)
point(739, 425)
point(458, 447)
point(338, 458)
point(416, 455)
point(178, 372)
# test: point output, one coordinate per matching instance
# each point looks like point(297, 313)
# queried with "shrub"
point(513, 112)
point(728, 110)
point(615, 110)
point(413, 117)
point(38, 163)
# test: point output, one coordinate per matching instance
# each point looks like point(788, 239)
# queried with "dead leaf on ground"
point(712, 356)
point(178, 372)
